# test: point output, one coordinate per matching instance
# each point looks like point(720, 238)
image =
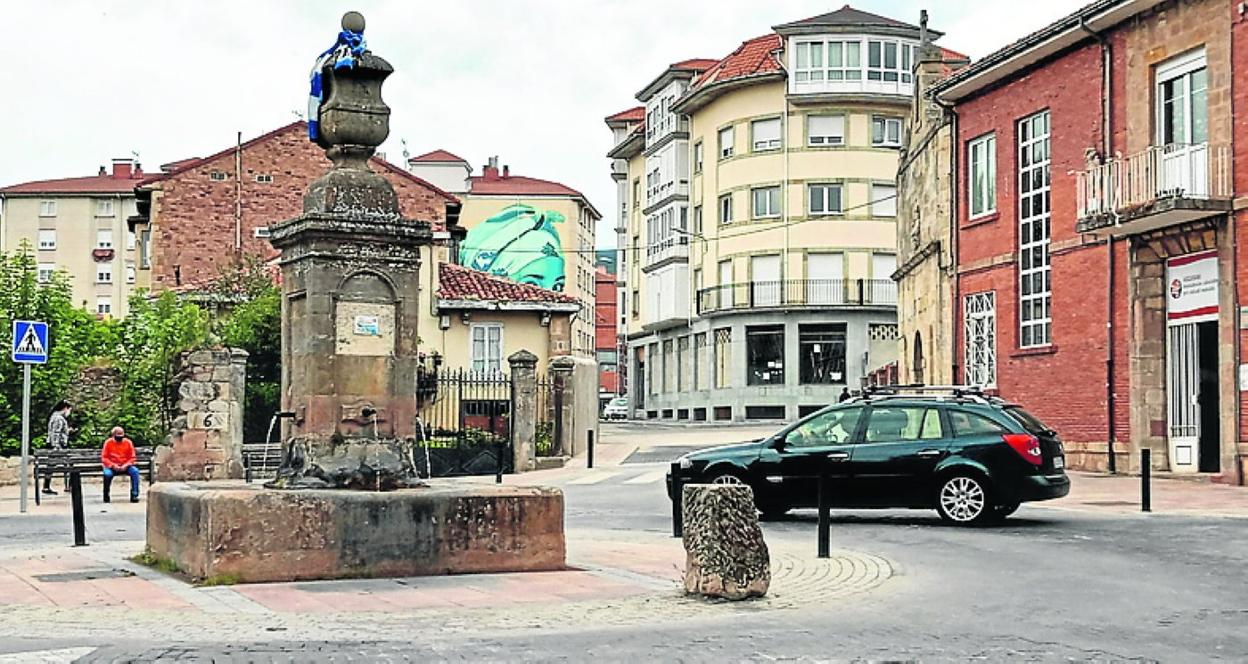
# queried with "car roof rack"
point(969, 392)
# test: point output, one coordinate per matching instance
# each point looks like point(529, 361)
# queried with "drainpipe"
point(1107, 148)
point(954, 143)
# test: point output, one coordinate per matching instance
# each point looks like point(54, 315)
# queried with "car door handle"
point(931, 454)
point(838, 456)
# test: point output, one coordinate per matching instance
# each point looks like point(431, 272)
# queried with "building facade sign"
point(1192, 288)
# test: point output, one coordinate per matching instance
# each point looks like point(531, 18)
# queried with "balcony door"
point(825, 275)
point(1183, 126)
point(765, 281)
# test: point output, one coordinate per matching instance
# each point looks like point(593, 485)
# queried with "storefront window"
point(765, 355)
point(821, 349)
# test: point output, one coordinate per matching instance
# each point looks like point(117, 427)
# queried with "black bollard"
point(678, 525)
point(247, 471)
point(589, 439)
point(75, 493)
point(1146, 476)
point(500, 449)
point(824, 518)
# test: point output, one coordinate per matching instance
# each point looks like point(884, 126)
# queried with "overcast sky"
point(527, 80)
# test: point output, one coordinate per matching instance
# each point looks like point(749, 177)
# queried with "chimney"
point(123, 168)
point(506, 171)
point(490, 172)
point(103, 171)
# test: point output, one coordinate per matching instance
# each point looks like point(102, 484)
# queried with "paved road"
point(1050, 585)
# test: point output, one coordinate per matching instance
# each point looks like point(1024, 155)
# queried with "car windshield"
point(1030, 422)
point(619, 401)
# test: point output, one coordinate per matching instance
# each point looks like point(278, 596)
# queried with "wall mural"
point(519, 243)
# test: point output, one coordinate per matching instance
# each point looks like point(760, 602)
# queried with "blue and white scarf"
point(342, 55)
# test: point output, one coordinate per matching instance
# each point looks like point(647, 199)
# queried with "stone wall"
point(206, 441)
point(580, 401)
point(9, 467)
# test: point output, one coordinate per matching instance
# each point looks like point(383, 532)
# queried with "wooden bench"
point(260, 460)
point(50, 463)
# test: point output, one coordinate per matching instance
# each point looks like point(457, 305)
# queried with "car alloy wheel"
point(963, 499)
point(727, 479)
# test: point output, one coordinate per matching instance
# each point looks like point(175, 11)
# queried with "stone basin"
point(246, 533)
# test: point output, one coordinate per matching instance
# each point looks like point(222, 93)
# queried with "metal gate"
point(1183, 378)
point(466, 427)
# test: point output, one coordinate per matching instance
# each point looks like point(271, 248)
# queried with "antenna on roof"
point(406, 155)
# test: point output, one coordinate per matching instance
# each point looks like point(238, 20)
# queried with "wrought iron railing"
point(798, 293)
point(1197, 171)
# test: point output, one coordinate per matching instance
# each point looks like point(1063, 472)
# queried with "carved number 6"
point(208, 421)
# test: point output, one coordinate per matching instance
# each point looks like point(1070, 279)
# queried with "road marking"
point(59, 656)
point(593, 479)
point(648, 478)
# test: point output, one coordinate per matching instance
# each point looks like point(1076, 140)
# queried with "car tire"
point(963, 499)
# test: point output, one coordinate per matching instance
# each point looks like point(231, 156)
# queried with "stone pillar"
point(724, 548)
point(206, 441)
point(561, 369)
point(524, 409)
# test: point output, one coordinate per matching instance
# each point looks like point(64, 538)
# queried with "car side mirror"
point(778, 444)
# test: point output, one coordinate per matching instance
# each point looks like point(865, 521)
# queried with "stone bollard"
point(725, 552)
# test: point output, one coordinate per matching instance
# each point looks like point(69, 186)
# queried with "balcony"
point(664, 192)
point(797, 293)
point(1163, 186)
point(674, 249)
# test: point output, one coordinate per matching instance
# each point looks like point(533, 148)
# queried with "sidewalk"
point(1120, 494)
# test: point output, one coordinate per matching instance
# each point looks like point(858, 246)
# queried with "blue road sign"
point(30, 342)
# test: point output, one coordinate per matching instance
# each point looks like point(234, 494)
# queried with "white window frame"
point(727, 147)
point(771, 201)
point(264, 178)
point(104, 273)
point(44, 234)
point(825, 199)
point(766, 144)
point(104, 238)
point(45, 272)
point(47, 208)
point(260, 232)
point(104, 207)
point(983, 171)
point(131, 240)
point(485, 364)
point(980, 334)
point(725, 209)
point(104, 305)
point(217, 176)
point(1035, 288)
point(883, 204)
point(130, 273)
point(823, 140)
point(1181, 67)
point(888, 122)
point(698, 150)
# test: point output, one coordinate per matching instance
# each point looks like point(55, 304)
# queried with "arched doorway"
point(916, 365)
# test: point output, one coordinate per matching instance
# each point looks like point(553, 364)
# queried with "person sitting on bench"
point(118, 458)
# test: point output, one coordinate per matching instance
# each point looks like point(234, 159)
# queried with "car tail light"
point(1027, 446)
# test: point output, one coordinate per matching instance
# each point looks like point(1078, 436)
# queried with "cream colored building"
point(774, 292)
point(78, 226)
point(528, 230)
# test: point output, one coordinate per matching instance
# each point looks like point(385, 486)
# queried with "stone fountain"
point(348, 500)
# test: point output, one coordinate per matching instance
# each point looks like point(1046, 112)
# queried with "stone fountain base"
point(245, 533)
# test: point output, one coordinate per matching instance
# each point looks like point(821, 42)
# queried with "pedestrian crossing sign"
point(30, 342)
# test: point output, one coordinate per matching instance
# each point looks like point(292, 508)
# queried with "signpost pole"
point(24, 471)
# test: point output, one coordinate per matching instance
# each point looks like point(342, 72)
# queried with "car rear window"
point(972, 424)
point(1030, 422)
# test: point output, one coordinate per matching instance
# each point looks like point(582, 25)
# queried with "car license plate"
point(1059, 463)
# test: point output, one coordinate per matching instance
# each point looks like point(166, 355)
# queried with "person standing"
point(118, 458)
point(58, 437)
point(844, 395)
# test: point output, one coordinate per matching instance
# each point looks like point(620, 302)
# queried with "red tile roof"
point(753, 57)
point(437, 156)
point(460, 283)
point(95, 184)
point(492, 182)
point(634, 114)
point(696, 64)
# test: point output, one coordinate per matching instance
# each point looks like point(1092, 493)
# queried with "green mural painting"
point(519, 243)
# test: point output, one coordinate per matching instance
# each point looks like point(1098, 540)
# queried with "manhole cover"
point(86, 575)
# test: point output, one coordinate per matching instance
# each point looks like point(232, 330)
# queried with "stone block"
point(255, 535)
point(218, 406)
point(725, 552)
point(200, 391)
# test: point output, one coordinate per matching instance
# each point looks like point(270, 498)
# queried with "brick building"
point(1100, 166)
point(606, 334)
point(198, 215)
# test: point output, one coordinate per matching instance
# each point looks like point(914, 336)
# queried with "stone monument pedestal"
point(246, 533)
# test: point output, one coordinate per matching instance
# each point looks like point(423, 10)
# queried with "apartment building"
point(758, 202)
point(78, 226)
point(1101, 177)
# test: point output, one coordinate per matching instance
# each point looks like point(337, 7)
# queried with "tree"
point(254, 324)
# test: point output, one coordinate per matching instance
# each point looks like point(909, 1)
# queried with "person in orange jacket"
point(118, 457)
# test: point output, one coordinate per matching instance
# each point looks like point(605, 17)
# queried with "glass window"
point(723, 357)
point(831, 427)
point(699, 359)
point(983, 185)
point(130, 273)
point(487, 348)
point(903, 423)
point(1182, 105)
point(104, 238)
point(1030, 422)
point(47, 238)
point(669, 367)
point(144, 248)
point(766, 202)
point(1034, 295)
point(972, 424)
point(46, 270)
point(766, 134)
point(981, 339)
point(764, 349)
point(885, 132)
point(726, 138)
point(47, 208)
point(103, 305)
point(104, 208)
point(725, 209)
point(883, 200)
point(104, 273)
point(697, 220)
point(825, 199)
point(821, 351)
point(824, 130)
point(697, 157)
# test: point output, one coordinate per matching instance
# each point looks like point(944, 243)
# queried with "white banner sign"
point(1192, 288)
